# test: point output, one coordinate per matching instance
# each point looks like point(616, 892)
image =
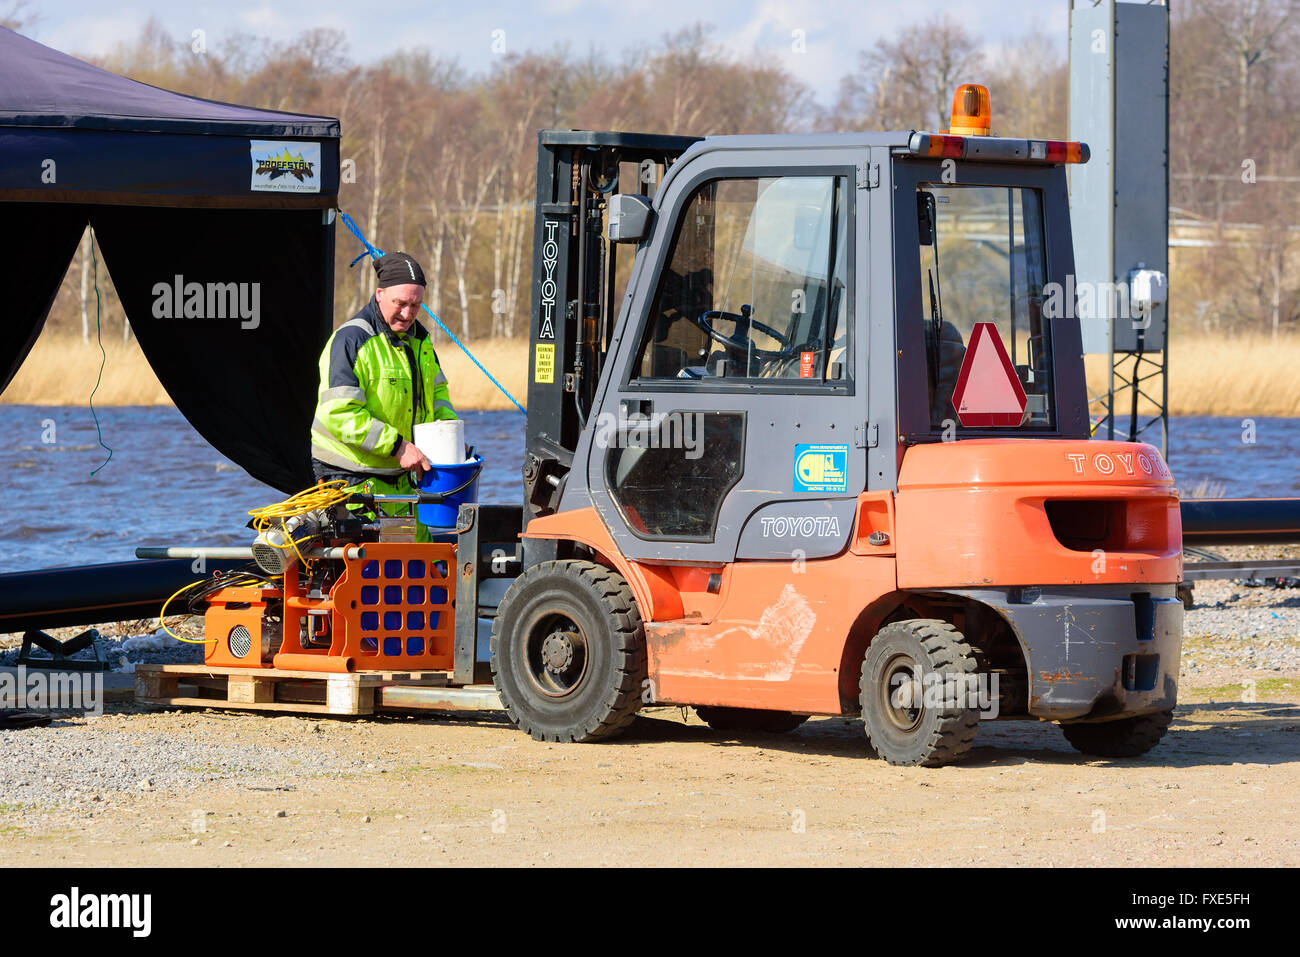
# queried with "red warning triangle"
point(988, 391)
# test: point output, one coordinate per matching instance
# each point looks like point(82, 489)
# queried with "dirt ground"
point(470, 790)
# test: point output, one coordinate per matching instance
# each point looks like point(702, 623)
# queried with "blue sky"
point(833, 30)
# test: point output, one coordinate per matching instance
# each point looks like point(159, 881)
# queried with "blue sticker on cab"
point(821, 468)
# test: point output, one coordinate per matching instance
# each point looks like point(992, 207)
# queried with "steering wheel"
point(741, 341)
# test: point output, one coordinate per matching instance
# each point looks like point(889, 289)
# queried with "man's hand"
point(409, 457)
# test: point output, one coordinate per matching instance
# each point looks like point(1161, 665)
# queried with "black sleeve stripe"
point(343, 356)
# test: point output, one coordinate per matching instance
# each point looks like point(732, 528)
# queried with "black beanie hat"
point(397, 269)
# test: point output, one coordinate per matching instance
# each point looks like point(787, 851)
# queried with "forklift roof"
point(750, 141)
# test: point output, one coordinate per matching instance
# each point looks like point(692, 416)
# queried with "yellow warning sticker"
point(544, 362)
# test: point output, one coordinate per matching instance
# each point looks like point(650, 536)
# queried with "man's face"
point(399, 305)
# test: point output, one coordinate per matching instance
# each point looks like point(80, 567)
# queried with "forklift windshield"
point(755, 284)
point(982, 260)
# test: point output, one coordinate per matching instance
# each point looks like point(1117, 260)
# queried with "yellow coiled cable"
point(237, 580)
point(322, 496)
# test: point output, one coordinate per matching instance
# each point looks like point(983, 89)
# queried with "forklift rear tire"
point(568, 652)
point(903, 729)
point(1124, 738)
point(749, 719)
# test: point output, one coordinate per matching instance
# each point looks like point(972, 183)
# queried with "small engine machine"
point(336, 585)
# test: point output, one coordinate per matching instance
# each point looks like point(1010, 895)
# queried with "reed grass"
point(1246, 375)
point(62, 370)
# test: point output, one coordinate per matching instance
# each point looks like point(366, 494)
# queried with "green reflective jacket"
point(375, 387)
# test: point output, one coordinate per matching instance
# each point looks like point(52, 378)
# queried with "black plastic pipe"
point(1241, 521)
point(92, 594)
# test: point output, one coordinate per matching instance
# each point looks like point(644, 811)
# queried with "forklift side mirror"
point(926, 215)
point(629, 218)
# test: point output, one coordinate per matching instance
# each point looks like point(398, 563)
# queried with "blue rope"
point(99, 336)
point(452, 335)
point(375, 253)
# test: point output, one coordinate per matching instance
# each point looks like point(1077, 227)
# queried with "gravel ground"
point(83, 763)
point(470, 790)
point(1236, 631)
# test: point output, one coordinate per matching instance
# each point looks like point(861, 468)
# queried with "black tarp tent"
point(216, 225)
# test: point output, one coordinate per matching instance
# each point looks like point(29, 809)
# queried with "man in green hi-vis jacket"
point(379, 378)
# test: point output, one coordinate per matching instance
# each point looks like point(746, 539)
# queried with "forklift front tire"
point(1123, 738)
point(909, 717)
point(568, 652)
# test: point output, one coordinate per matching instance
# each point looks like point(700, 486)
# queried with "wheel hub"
point(902, 692)
point(557, 652)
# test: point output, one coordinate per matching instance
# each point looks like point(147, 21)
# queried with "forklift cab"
point(796, 316)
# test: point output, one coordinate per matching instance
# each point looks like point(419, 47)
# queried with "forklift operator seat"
point(952, 352)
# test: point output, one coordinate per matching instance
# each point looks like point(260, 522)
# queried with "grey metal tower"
point(1119, 204)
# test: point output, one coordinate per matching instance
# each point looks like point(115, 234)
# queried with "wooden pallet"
point(267, 689)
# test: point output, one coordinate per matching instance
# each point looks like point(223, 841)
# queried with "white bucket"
point(442, 442)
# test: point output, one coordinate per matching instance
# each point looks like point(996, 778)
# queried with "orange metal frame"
point(390, 611)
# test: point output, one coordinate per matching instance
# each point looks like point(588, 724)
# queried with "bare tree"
point(84, 253)
point(1233, 149)
point(1254, 32)
point(18, 16)
point(518, 94)
point(1028, 84)
point(471, 180)
point(375, 173)
point(908, 80)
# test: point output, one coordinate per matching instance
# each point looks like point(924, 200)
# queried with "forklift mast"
point(575, 279)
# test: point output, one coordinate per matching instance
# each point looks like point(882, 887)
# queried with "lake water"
point(166, 486)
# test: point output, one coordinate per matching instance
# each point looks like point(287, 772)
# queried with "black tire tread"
point(1123, 738)
point(746, 720)
point(624, 698)
point(954, 734)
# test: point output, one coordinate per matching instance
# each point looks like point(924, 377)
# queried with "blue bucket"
point(461, 480)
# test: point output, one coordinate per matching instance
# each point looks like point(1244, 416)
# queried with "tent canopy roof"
point(41, 87)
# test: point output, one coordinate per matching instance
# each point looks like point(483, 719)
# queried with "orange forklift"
point(819, 446)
